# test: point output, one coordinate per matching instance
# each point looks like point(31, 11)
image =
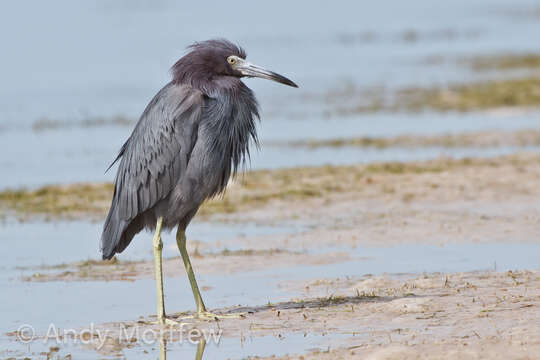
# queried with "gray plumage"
point(192, 136)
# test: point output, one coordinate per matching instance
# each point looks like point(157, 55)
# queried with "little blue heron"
point(193, 135)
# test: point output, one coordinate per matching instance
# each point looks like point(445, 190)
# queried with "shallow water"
point(81, 155)
point(227, 348)
point(74, 61)
point(83, 303)
point(71, 60)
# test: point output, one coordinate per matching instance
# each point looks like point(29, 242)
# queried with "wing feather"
point(154, 157)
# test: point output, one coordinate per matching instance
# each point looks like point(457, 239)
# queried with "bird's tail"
point(118, 232)
point(112, 233)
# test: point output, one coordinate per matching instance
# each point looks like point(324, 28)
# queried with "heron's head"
point(208, 60)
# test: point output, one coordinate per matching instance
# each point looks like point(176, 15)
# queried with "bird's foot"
point(170, 322)
point(163, 322)
point(210, 316)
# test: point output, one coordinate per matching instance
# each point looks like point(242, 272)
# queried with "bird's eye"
point(231, 60)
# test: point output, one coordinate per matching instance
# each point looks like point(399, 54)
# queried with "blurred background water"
point(72, 62)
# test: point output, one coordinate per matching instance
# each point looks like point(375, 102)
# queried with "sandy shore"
point(479, 315)
point(437, 203)
point(467, 316)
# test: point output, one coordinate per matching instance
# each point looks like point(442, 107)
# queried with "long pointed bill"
point(251, 70)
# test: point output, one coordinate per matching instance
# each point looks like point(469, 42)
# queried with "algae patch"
point(506, 62)
point(478, 139)
point(85, 270)
point(523, 92)
point(59, 201)
point(519, 92)
point(249, 191)
point(125, 270)
point(43, 124)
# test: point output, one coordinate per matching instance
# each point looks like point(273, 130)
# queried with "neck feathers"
point(231, 117)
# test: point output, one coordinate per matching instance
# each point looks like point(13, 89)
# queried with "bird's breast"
point(225, 133)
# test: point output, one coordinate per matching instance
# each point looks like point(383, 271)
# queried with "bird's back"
point(182, 151)
point(151, 162)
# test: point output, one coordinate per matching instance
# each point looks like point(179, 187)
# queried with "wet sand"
point(434, 203)
point(338, 214)
point(481, 314)
point(270, 190)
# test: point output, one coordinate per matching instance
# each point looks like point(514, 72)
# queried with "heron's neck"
point(236, 125)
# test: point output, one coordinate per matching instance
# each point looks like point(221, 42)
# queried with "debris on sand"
point(467, 315)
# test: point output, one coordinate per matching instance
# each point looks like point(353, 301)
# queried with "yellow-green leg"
point(181, 242)
point(202, 313)
point(158, 267)
point(162, 348)
point(200, 349)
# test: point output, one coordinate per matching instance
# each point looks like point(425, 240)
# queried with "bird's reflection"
point(200, 349)
point(163, 349)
